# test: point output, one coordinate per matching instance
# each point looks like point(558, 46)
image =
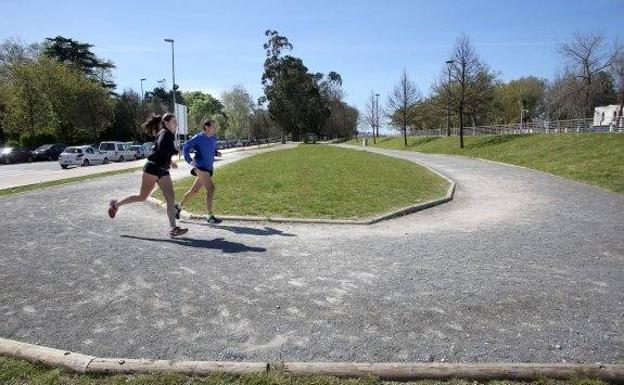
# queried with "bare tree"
point(369, 117)
point(587, 55)
point(617, 71)
point(401, 103)
point(469, 81)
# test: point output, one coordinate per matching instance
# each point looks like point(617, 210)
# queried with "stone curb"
point(369, 221)
point(82, 363)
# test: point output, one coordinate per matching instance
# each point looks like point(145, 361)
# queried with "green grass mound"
point(597, 159)
point(317, 181)
point(17, 372)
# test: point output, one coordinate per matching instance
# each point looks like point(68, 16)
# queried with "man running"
point(205, 146)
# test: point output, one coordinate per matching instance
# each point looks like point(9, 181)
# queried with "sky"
point(219, 44)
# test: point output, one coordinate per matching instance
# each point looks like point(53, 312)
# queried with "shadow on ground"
point(217, 244)
point(266, 231)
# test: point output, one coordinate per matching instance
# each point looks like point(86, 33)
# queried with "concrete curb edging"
point(472, 372)
point(82, 363)
point(369, 221)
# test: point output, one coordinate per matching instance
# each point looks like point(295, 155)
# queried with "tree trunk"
point(405, 135)
point(461, 127)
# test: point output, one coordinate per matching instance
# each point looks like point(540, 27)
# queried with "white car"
point(138, 150)
point(82, 156)
point(117, 151)
point(148, 148)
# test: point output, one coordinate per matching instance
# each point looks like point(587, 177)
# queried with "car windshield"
point(73, 150)
point(44, 147)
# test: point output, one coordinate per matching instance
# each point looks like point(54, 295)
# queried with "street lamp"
point(142, 94)
point(162, 82)
point(172, 72)
point(448, 108)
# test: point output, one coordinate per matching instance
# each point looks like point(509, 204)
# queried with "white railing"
point(541, 127)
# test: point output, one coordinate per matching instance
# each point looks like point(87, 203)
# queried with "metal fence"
point(541, 127)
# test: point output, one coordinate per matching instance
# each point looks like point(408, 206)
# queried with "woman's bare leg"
point(166, 186)
point(197, 185)
point(147, 185)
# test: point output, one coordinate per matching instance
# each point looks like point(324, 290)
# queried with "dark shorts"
point(211, 172)
point(154, 169)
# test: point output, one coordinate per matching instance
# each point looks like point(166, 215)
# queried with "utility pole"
point(448, 108)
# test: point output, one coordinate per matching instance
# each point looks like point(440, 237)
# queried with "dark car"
point(49, 151)
point(10, 155)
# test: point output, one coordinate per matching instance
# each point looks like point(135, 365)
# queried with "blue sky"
point(219, 44)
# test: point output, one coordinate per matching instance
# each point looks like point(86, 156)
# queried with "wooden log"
point(444, 371)
point(41, 354)
point(120, 366)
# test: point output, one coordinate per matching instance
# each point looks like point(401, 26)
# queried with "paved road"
point(36, 172)
point(521, 266)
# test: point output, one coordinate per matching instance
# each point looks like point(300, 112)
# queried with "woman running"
point(156, 170)
point(205, 146)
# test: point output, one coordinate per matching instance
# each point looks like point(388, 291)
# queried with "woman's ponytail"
point(152, 125)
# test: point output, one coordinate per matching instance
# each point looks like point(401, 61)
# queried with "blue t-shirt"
point(205, 150)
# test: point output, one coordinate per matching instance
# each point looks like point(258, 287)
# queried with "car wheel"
point(50, 158)
point(105, 161)
point(63, 166)
point(121, 159)
point(86, 162)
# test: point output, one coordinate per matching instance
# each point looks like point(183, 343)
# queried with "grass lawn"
point(597, 159)
point(317, 181)
point(17, 372)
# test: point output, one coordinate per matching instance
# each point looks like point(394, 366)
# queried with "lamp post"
point(172, 73)
point(142, 94)
point(448, 112)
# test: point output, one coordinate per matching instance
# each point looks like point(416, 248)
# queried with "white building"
point(608, 116)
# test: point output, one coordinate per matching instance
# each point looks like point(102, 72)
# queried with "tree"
point(49, 98)
point(370, 117)
point(525, 93)
point(587, 55)
point(13, 52)
point(469, 82)
point(617, 71)
point(404, 98)
point(293, 93)
point(160, 101)
point(128, 118)
point(80, 56)
point(202, 106)
point(237, 106)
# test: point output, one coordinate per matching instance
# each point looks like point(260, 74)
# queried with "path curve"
point(520, 266)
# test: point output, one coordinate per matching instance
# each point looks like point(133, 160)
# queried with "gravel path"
point(520, 266)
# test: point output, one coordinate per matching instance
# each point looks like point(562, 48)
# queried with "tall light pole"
point(377, 113)
point(448, 112)
point(142, 94)
point(172, 73)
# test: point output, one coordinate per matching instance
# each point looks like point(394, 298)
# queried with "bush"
point(36, 140)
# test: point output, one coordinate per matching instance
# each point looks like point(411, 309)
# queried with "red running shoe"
point(112, 209)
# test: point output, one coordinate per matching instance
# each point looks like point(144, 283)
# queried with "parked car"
point(148, 148)
point(117, 151)
point(139, 151)
point(49, 151)
point(10, 155)
point(82, 156)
